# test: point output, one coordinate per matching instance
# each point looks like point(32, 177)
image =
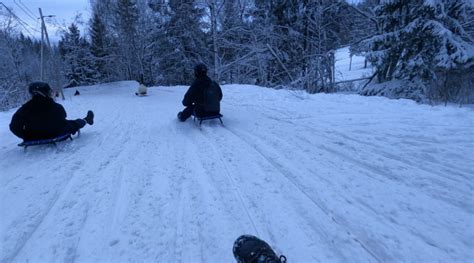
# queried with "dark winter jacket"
point(39, 118)
point(205, 94)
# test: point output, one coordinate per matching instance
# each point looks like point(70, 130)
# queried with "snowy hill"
point(322, 178)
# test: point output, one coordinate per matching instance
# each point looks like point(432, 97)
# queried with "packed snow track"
point(322, 178)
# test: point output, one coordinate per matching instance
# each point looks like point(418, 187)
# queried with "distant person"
point(77, 93)
point(142, 89)
point(203, 97)
point(42, 118)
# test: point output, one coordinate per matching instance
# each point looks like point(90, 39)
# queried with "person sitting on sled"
point(142, 89)
point(41, 118)
point(203, 97)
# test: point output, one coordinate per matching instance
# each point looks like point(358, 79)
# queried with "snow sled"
point(141, 91)
point(26, 144)
point(207, 118)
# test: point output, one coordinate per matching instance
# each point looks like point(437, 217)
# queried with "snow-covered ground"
point(343, 63)
point(322, 178)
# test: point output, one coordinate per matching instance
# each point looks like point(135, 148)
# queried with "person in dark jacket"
point(42, 118)
point(203, 97)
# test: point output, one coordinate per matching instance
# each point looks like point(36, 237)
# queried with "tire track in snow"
point(375, 148)
point(286, 174)
point(46, 202)
point(449, 253)
point(73, 207)
point(397, 158)
point(270, 114)
point(389, 175)
point(84, 194)
point(236, 190)
point(192, 213)
point(405, 226)
point(321, 232)
point(42, 218)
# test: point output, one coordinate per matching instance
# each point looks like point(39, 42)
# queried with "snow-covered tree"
point(79, 62)
point(235, 48)
point(420, 40)
point(300, 38)
point(19, 62)
point(125, 24)
point(98, 35)
point(182, 42)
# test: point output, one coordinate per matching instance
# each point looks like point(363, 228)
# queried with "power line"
point(26, 12)
point(27, 9)
point(21, 22)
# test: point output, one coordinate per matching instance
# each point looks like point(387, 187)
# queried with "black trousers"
point(187, 112)
point(71, 127)
point(74, 125)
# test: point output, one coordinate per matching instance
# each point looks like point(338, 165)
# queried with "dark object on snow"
point(53, 141)
point(251, 249)
point(77, 93)
point(89, 117)
point(203, 97)
point(42, 118)
point(200, 119)
point(208, 118)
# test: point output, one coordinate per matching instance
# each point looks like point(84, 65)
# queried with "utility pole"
point(43, 25)
point(42, 46)
point(44, 33)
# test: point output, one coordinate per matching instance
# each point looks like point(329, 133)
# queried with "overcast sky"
point(64, 11)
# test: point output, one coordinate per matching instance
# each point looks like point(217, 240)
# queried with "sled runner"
point(53, 141)
point(207, 118)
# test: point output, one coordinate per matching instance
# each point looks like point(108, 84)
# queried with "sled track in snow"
point(321, 178)
point(235, 189)
point(392, 177)
point(59, 196)
point(34, 226)
point(288, 175)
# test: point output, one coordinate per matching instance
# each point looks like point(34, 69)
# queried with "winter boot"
point(89, 118)
point(180, 116)
point(251, 249)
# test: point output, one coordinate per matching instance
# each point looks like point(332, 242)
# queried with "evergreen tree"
point(418, 35)
point(125, 26)
point(76, 54)
point(422, 40)
point(291, 28)
point(99, 50)
point(231, 41)
point(182, 42)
